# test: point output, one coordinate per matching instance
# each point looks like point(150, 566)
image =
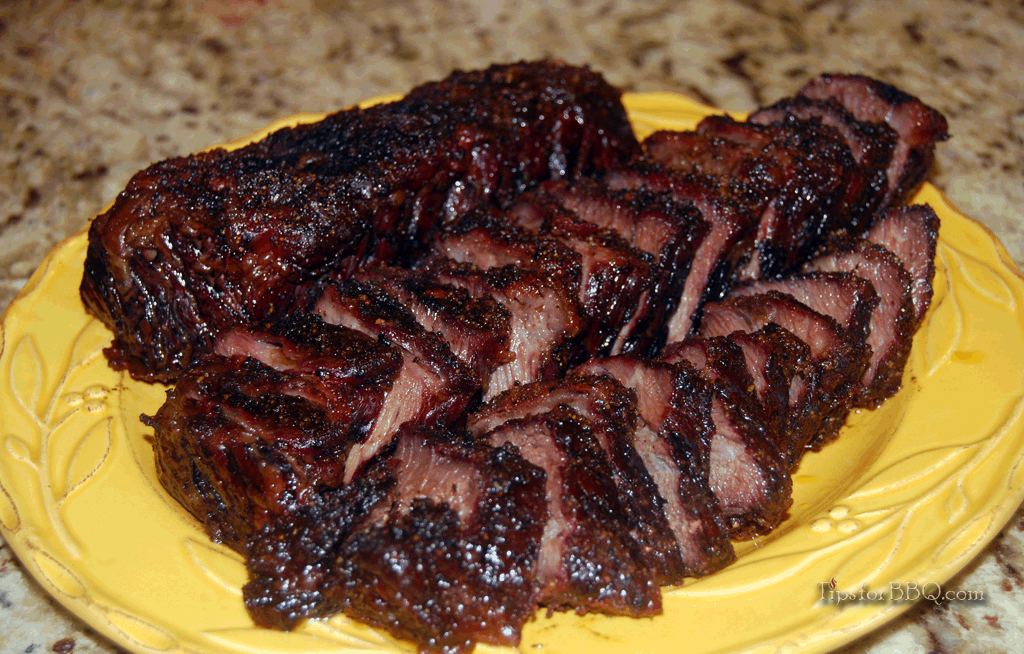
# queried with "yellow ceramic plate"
point(908, 494)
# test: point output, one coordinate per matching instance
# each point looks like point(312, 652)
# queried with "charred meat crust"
point(198, 244)
point(871, 144)
point(238, 448)
point(445, 565)
point(748, 471)
point(256, 429)
point(609, 409)
point(838, 361)
point(674, 441)
point(892, 321)
point(588, 561)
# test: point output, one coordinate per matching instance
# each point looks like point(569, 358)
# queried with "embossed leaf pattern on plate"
point(909, 492)
point(66, 435)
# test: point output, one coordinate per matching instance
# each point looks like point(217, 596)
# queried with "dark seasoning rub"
point(442, 361)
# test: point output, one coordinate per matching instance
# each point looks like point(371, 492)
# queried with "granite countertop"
point(90, 92)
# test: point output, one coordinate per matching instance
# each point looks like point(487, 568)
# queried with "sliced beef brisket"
point(610, 411)
point(871, 144)
point(237, 448)
point(544, 318)
point(490, 239)
point(749, 473)
point(892, 322)
point(433, 387)
point(437, 542)
point(839, 361)
point(918, 127)
point(911, 233)
point(674, 441)
point(453, 417)
point(342, 370)
point(588, 562)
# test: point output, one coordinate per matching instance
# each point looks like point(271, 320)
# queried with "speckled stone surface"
point(90, 92)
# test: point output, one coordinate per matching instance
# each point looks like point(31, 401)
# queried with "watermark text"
point(896, 591)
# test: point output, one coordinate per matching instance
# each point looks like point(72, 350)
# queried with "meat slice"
point(490, 239)
point(911, 233)
point(749, 473)
point(433, 387)
point(588, 562)
point(478, 330)
point(345, 372)
point(918, 126)
point(721, 254)
point(544, 318)
point(892, 320)
point(801, 181)
point(838, 361)
point(870, 143)
point(616, 279)
point(609, 410)
point(654, 223)
point(237, 444)
point(706, 154)
point(778, 363)
point(673, 439)
point(437, 543)
point(843, 296)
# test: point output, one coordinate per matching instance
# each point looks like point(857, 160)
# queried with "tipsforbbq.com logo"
point(896, 591)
